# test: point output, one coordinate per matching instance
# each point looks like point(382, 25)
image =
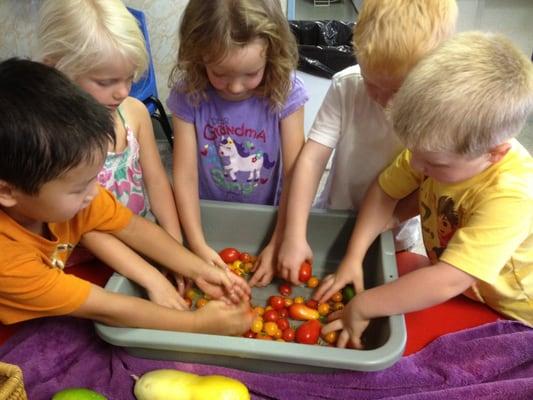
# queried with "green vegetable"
point(78, 394)
point(348, 292)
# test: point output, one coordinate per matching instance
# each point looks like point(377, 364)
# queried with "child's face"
point(240, 72)
point(60, 199)
point(448, 167)
point(109, 84)
point(381, 87)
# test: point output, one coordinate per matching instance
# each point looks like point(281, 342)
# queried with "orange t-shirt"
point(32, 281)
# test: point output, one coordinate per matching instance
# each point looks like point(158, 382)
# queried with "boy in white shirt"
point(389, 39)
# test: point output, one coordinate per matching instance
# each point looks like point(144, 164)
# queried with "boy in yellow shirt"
point(457, 114)
point(54, 138)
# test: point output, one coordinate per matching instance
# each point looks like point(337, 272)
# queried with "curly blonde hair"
point(471, 94)
point(77, 36)
point(210, 29)
point(391, 36)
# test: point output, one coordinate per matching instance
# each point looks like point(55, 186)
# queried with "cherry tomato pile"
point(283, 318)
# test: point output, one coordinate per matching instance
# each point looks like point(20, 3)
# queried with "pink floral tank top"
point(122, 175)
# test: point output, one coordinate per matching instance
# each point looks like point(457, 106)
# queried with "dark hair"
point(47, 125)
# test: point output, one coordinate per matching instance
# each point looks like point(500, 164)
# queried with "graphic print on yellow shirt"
point(447, 224)
point(61, 254)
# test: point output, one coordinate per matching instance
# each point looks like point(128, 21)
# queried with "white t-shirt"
point(353, 124)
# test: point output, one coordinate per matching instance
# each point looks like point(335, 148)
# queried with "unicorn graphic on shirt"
point(239, 160)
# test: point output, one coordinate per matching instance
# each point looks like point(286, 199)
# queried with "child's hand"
point(264, 267)
point(291, 255)
point(210, 256)
point(217, 317)
point(347, 273)
point(163, 293)
point(182, 282)
point(221, 283)
point(351, 324)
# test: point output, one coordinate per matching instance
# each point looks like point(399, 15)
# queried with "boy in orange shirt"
point(54, 139)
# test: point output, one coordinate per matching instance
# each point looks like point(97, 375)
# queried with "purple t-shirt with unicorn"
point(239, 144)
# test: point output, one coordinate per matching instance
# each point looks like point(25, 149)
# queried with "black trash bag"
point(324, 47)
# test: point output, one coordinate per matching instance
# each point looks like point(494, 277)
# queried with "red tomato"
point(229, 254)
point(276, 302)
point(283, 312)
point(308, 332)
point(305, 272)
point(270, 315)
point(245, 257)
point(283, 323)
point(288, 335)
point(285, 289)
point(301, 312)
point(311, 303)
point(249, 334)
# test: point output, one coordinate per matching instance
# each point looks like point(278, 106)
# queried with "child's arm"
point(114, 309)
point(155, 177)
point(292, 141)
point(185, 172)
point(125, 261)
point(374, 216)
point(308, 171)
point(417, 290)
point(151, 240)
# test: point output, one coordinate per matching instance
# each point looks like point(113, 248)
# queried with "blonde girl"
point(237, 115)
point(99, 45)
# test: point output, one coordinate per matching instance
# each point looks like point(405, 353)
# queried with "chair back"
point(146, 86)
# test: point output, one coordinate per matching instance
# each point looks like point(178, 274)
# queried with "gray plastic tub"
point(247, 227)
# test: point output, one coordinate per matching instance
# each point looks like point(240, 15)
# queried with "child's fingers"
point(324, 291)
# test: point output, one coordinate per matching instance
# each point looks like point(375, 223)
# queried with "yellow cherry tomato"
point(299, 300)
point(257, 325)
point(288, 301)
point(259, 310)
point(270, 328)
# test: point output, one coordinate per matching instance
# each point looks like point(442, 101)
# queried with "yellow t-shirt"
point(32, 281)
point(482, 226)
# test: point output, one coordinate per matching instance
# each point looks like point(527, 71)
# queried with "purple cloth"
point(493, 361)
point(239, 143)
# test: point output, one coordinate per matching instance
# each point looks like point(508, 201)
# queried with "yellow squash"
point(169, 384)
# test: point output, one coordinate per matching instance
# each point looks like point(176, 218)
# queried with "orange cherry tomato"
point(305, 272)
point(336, 297)
point(299, 300)
point(331, 337)
point(257, 325)
point(301, 312)
point(313, 282)
point(323, 308)
point(308, 332)
point(202, 301)
point(288, 301)
point(229, 254)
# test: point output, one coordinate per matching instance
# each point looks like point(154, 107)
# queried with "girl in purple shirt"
point(237, 115)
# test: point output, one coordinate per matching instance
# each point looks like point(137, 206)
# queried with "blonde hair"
point(210, 29)
point(77, 36)
point(473, 93)
point(391, 36)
